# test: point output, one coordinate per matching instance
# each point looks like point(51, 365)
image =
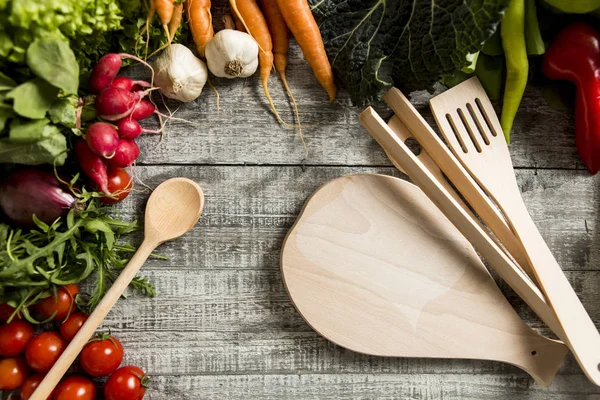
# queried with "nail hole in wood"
point(533, 353)
point(413, 145)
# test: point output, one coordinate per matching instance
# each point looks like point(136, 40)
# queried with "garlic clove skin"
point(232, 54)
point(179, 74)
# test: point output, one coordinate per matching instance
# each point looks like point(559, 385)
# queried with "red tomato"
point(75, 387)
point(6, 311)
point(126, 383)
point(14, 337)
point(59, 305)
point(13, 372)
point(30, 384)
point(101, 356)
point(43, 351)
point(119, 184)
point(70, 327)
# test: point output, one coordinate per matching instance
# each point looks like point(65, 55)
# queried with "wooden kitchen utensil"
point(372, 265)
point(172, 210)
point(462, 220)
point(471, 129)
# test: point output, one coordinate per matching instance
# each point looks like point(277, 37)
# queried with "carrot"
point(280, 35)
point(301, 22)
point(175, 21)
point(200, 21)
point(164, 9)
point(238, 24)
point(254, 22)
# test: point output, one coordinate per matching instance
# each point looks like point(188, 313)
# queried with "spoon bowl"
point(172, 210)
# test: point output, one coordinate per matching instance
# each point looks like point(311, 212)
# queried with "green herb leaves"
point(33, 98)
point(32, 138)
point(53, 60)
point(68, 251)
point(374, 44)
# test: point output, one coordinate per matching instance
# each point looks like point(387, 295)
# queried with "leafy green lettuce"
point(374, 44)
point(92, 27)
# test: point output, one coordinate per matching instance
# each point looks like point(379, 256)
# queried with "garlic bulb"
point(179, 74)
point(232, 54)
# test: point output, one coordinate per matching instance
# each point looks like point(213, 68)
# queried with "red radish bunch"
point(109, 146)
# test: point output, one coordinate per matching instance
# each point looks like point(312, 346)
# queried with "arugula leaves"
point(374, 44)
point(67, 251)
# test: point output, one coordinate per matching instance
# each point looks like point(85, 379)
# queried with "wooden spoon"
point(173, 209)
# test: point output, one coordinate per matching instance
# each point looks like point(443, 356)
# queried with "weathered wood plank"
point(242, 321)
point(244, 130)
point(222, 307)
point(384, 386)
point(249, 210)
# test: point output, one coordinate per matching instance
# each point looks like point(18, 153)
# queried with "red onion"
point(32, 191)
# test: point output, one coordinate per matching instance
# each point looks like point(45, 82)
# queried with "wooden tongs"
point(476, 162)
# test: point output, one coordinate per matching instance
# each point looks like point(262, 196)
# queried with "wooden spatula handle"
point(582, 337)
point(502, 264)
point(93, 322)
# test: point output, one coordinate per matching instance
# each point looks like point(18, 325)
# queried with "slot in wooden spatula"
point(471, 129)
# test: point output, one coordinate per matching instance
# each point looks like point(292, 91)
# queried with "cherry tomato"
point(70, 327)
point(59, 305)
point(14, 337)
point(126, 383)
point(30, 384)
point(43, 351)
point(101, 356)
point(6, 311)
point(75, 387)
point(13, 372)
point(119, 184)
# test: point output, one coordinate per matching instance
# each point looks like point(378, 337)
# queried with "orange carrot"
point(200, 21)
point(280, 35)
point(175, 21)
point(164, 9)
point(254, 22)
point(238, 24)
point(301, 22)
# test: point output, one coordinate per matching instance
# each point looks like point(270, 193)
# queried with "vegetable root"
point(280, 35)
point(253, 20)
point(200, 22)
point(301, 22)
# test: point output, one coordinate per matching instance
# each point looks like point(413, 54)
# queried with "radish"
point(102, 139)
point(123, 82)
point(104, 72)
point(126, 154)
point(129, 128)
point(115, 103)
point(143, 110)
point(92, 164)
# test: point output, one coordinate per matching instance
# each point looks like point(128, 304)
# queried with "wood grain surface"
point(222, 325)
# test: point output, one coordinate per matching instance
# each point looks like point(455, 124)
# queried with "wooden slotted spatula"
point(471, 129)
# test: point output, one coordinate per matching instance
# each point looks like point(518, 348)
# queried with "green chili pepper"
point(533, 36)
point(512, 31)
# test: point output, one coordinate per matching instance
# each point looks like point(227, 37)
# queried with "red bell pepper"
point(575, 55)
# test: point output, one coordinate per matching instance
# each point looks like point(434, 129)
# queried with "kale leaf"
point(374, 44)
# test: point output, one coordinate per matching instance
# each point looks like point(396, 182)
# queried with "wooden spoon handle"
point(501, 263)
point(94, 320)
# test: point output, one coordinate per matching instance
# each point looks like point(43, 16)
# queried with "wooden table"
point(222, 325)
